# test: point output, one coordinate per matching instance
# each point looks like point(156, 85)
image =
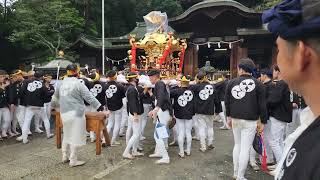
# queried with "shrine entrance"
point(219, 57)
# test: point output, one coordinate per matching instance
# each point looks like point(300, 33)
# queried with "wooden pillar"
point(195, 61)
point(190, 60)
point(237, 53)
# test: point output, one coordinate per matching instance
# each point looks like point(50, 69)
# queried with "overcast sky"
point(8, 1)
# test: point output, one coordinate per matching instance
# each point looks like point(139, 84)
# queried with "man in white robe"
point(69, 97)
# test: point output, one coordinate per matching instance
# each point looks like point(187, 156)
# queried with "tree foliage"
point(48, 24)
point(267, 4)
point(121, 15)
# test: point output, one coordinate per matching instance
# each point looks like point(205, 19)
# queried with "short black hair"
point(92, 76)
point(72, 67)
point(276, 68)
point(267, 72)
point(3, 72)
point(38, 74)
point(111, 73)
point(154, 72)
point(247, 65)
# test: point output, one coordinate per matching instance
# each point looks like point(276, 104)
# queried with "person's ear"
point(302, 56)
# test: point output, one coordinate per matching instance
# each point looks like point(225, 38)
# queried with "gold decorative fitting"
point(61, 54)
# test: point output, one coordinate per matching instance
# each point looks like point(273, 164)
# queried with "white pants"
point(266, 140)
point(195, 126)
point(114, 122)
point(205, 129)
point(243, 133)
point(175, 133)
point(184, 132)
point(160, 149)
point(37, 122)
point(129, 131)
point(70, 151)
point(47, 108)
point(124, 117)
point(30, 112)
point(18, 116)
point(144, 117)
point(5, 120)
point(222, 114)
point(133, 142)
point(277, 130)
point(291, 127)
point(252, 157)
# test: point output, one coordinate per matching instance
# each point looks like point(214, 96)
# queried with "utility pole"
point(5, 11)
point(103, 53)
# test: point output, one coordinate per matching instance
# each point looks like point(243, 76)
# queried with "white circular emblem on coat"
point(247, 85)
point(37, 84)
point(109, 94)
point(237, 92)
point(98, 88)
point(188, 95)
point(292, 154)
point(31, 87)
point(182, 101)
point(113, 88)
point(204, 95)
point(209, 89)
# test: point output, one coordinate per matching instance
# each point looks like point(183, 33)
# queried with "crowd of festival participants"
point(254, 105)
point(249, 104)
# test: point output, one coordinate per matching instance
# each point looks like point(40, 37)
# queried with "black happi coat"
point(246, 99)
point(4, 98)
point(205, 99)
point(162, 96)
point(114, 94)
point(279, 102)
point(298, 99)
point(183, 105)
point(34, 92)
point(221, 89)
point(268, 85)
point(146, 98)
point(303, 160)
point(98, 90)
point(88, 84)
point(14, 93)
point(134, 102)
point(50, 93)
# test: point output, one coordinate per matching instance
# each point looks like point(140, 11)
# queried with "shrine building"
point(219, 31)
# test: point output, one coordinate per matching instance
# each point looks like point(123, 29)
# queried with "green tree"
point(48, 24)
point(267, 4)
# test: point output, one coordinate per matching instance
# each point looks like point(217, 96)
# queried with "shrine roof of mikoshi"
point(120, 42)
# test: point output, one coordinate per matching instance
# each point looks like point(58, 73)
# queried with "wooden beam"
point(190, 60)
point(237, 53)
